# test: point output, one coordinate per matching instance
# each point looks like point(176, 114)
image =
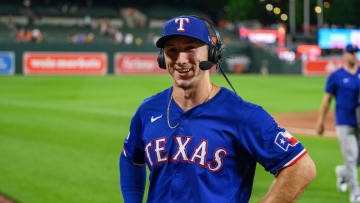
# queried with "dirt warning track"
point(304, 123)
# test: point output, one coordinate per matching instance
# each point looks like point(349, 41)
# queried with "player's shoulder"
point(337, 73)
point(251, 115)
point(245, 113)
point(238, 105)
point(236, 99)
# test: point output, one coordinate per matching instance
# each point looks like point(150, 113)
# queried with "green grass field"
point(61, 136)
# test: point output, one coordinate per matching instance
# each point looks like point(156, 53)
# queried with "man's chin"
point(184, 84)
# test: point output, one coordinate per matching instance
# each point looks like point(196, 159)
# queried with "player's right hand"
point(320, 128)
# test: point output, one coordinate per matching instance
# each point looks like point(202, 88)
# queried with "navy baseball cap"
point(351, 48)
point(185, 26)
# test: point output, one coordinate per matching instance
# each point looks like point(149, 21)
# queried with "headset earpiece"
point(215, 51)
point(161, 59)
point(214, 54)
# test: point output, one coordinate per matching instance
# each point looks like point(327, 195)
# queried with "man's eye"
point(189, 48)
point(171, 50)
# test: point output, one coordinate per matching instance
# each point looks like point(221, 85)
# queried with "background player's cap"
point(351, 48)
point(186, 26)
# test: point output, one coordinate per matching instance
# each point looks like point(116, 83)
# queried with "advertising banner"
point(133, 63)
point(264, 36)
point(7, 63)
point(309, 52)
point(330, 38)
point(65, 63)
point(321, 66)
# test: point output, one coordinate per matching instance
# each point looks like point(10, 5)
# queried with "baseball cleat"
point(341, 183)
point(355, 198)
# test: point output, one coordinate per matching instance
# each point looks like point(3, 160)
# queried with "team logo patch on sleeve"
point(284, 140)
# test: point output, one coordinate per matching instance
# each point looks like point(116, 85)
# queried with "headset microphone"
point(205, 65)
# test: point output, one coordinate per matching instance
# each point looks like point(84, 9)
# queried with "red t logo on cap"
point(181, 26)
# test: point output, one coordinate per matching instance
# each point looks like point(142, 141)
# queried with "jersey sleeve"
point(331, 85)
point(271, 146)
point(133, 144)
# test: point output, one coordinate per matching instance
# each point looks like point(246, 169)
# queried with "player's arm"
point(323, 112)
point(291, 181)
point(132, 180)
point(132, 163)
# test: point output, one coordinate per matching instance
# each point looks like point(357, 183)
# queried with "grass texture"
point(61, 136)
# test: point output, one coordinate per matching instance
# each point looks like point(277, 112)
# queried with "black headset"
point(215, 50)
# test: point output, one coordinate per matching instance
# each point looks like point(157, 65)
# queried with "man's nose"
point(182, 58)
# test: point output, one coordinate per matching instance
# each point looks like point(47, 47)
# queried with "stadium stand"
point(99, 27)
point(6, 34)
point(9, 9)
point(167, 12)
point(74, 22)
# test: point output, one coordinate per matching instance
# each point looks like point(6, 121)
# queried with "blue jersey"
point(344, 86)
point(212, 153)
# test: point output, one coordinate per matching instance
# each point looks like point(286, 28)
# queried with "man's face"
point(350, 58)
point(182, 56)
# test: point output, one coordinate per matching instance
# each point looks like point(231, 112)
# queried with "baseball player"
point(343, 84)
point(201, 142)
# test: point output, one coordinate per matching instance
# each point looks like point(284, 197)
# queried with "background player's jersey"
point(345, 87)
point(212, 154)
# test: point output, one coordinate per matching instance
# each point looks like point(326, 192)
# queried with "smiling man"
point(201, 142)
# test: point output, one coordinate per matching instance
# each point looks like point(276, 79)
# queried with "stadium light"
point(326, 4)
point(284, 17)
point(269, 7)
point(318, 9)
point(277, 10)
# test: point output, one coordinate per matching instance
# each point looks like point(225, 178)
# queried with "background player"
point(343, 84)
point(201, 142)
